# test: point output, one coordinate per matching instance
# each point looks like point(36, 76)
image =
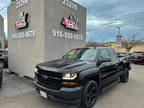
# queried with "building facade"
point(1, 32)
point(43, 30)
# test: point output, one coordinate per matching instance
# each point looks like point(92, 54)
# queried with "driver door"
point(106, 67)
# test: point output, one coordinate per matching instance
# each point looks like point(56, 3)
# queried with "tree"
point(94, 44)
point(129, 42)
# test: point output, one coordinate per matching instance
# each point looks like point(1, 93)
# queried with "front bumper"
point(71, 96)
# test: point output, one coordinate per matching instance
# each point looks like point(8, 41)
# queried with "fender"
point(92, 73)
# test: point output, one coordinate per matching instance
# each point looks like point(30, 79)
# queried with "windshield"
point(82, 54)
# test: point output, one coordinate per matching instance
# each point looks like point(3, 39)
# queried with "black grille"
point(52, 80)
point(50, 73)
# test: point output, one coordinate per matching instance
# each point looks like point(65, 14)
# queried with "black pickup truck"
point(4, 58)
point(79, 76)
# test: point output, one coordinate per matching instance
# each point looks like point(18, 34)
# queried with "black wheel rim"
point(91, 94)
point(127, 75)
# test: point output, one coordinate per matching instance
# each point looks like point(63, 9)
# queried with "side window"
point(104, 54)
point(113, 55)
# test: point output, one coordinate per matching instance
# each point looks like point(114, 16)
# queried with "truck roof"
point(100, 47)
point(96, 48)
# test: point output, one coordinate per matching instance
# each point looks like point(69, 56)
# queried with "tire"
point(125, 76)
point(90, 94)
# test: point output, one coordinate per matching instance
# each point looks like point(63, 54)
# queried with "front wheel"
point(90, 94)
point(125, 76)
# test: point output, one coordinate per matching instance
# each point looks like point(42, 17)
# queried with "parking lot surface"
point(122, 95)
point(14, 85)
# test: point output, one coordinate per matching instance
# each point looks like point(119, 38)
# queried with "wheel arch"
point(95, 75)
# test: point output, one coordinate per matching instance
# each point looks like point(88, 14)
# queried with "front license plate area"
point(43, 94)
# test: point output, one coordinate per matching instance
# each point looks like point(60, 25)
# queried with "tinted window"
point(104, 54)
point(112, 55)
point(73, 54)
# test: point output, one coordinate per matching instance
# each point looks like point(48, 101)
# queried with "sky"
point(104, 16)
point(3, 12)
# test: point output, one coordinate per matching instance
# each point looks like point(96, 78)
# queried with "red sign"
point(22, 22)
point(71, 23)
point(119, 40)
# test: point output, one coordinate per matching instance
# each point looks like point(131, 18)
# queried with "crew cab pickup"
point(79, 76)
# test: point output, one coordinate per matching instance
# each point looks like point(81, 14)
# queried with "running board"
point(111, 85)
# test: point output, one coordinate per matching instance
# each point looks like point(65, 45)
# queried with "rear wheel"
point(90, 94)
point(125, 76)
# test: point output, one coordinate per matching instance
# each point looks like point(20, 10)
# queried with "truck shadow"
point(102, 95)
point(55, 104)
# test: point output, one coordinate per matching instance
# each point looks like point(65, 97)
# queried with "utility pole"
point(119, 38)
point(118, 31)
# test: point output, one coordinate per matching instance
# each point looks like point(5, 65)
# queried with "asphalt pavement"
point(15, 85)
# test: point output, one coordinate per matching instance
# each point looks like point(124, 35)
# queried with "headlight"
point(35, 70)
point(70, 76)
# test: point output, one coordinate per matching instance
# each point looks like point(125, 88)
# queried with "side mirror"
point(104, 60)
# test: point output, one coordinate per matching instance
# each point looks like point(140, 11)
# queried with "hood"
point(66, 65)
